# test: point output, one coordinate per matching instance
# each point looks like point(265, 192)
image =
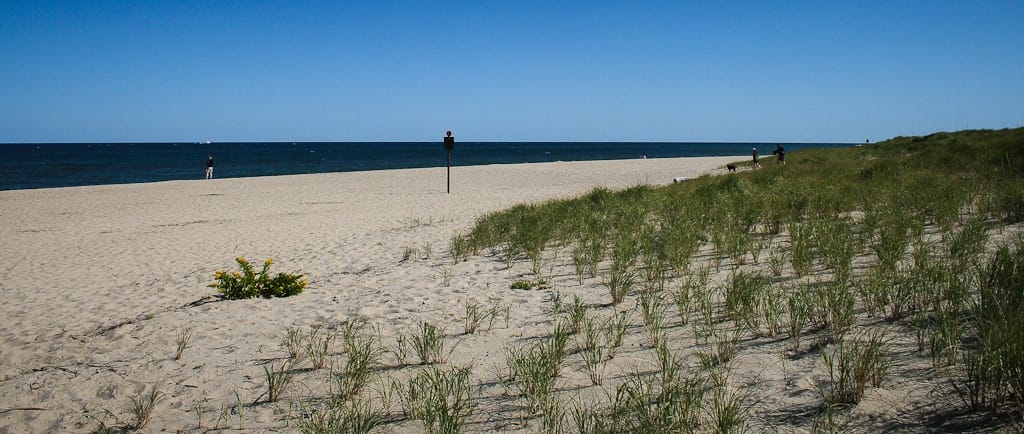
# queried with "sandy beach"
point(97, 282)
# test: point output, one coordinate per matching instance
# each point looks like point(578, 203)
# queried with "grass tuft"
point(142, 405)
point(183, 340)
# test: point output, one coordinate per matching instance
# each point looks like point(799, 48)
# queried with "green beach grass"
point(861, 265)
point(898, 230)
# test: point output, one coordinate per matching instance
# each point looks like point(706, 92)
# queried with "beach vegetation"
point(400, 349)
point(278, 378)
point(459, 248)
point(833, 308)
point(250, 284)
point(894, 229)
point(798, 312)
point(576, 313)
point(801, 250)
point(141, 407)
point(293, 342)
point(593, 349)
point(728, 411)
point(992, 370)
point(361, 356)
point(474, 315)
point(777, 257)
point(441, 398)
point(653, 312)
point(445, 274)
point(428, 343)
point(319, 345)
point(535, 368)
point(530, 284)
point(771, 304)
point(742, 297)
point(836, 240)
point(409, 252)
point(718, 343)
point(183, 340)
point(853, 365)
point(355, 416)
point(622, 273)
point(907, 237)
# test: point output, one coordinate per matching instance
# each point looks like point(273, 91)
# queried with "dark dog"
point(731, 167)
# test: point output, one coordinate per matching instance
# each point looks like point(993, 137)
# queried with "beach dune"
point(97, 281)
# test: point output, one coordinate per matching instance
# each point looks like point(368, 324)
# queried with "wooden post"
point(449, 144)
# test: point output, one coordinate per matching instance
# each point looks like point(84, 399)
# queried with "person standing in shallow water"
point(781, 153)
point(209, 167)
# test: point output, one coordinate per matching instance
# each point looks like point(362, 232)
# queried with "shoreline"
point(396, 170)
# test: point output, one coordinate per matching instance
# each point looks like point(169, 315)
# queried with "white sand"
point(96, 282)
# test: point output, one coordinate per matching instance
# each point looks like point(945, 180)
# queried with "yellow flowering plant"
point(250, 284)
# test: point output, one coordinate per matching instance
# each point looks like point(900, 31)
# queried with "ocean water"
point(28, 166)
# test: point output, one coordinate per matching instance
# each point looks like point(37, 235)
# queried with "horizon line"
point(212, 142)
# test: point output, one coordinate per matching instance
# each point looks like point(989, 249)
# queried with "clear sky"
point(794, 71)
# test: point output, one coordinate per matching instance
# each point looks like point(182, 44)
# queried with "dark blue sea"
point(26, 166)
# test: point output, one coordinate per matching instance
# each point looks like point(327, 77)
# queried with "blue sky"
point(789, 71)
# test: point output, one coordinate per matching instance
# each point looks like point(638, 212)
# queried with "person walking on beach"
point(209, 167)
point(781, 152)
point(756, 164)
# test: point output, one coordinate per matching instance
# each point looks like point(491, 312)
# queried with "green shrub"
point(527, 284)
point(250, 284)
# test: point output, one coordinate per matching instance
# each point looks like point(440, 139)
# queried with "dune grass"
point(820, 255)
point(183, 340)
point(441, 398)
point(428, 343)
point(853, 226)
point(142, 405)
